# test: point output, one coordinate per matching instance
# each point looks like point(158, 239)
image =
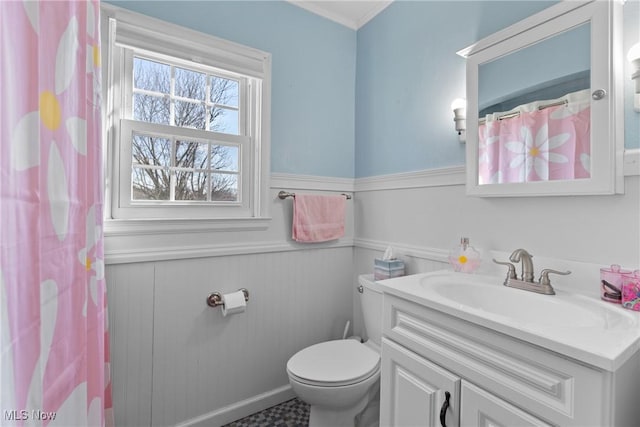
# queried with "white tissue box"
point(386, 269)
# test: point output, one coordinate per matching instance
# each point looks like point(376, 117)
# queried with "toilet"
point(340, 379)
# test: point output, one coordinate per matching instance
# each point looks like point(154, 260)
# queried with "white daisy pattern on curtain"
point(54, 343)
point(546, 144)
point(535, 155)
point(487, 154)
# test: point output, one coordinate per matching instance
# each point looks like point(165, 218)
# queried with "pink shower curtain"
point(54, 359)
point(539, 145)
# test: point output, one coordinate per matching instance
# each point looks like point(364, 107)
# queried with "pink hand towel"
point(318, 218)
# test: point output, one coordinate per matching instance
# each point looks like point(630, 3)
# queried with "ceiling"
point(350, 13)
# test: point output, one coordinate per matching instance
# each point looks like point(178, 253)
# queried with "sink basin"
point(579, 326)
point(486, 294)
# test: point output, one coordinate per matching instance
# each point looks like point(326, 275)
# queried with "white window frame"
point(125, 34)
point(160, 208)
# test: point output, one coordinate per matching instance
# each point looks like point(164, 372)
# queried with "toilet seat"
point(334, 363)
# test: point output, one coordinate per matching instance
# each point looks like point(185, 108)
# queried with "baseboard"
point(241, 409)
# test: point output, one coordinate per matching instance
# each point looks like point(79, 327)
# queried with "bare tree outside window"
point(200, 101)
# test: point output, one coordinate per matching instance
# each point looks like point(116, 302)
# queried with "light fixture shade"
point(458, 103)
point(634, 53)
point(459, 107)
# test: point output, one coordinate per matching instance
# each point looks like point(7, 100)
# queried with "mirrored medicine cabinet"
point(544, 104)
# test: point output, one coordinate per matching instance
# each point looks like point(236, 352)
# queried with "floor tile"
point(293, 413)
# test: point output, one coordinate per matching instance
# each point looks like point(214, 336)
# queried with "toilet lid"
point(334, 363)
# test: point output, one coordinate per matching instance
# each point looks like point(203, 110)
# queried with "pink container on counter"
point(631, 291)
point(611, 283)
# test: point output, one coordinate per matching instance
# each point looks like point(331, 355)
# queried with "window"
point(169, 164)
point(187, 122)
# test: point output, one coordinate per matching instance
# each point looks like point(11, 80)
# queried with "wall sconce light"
point(634, 58)
point(459, 107)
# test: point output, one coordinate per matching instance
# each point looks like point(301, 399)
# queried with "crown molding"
point(320, 11)
point(324, 8)
point(379, 7)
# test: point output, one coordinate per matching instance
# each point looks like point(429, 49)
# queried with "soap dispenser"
point(464, 258)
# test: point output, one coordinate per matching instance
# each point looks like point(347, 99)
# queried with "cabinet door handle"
point(443, 410)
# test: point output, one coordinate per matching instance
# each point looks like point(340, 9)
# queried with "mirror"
point(545, 104)
point(547, 69)
point(534, 107)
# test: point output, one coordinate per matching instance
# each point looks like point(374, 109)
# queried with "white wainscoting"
point(130, 294)
point(422, 215)
point(424, 221)
point(592, 229)
point(177, 361)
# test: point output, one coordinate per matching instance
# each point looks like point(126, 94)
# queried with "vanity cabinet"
point(414, 393)
point(482, 408)
point(413, 390)
point(492, 378)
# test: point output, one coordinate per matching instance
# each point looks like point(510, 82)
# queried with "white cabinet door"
point(482, 409)
point(414, 391)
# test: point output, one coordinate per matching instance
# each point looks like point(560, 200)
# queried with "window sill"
point(143, 227)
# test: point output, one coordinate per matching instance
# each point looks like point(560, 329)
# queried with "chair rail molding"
point(132, 241)
point(431, 254)
point(161, 242)
point(165, 253)
point(632, 162)
point(311, 182)
point(454, 175)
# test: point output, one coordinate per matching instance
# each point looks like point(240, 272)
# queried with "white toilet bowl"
point(341, 379)
point(337, 378)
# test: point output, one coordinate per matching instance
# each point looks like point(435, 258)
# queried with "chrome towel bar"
point(284, 194)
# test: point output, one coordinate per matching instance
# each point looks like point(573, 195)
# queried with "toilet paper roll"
point(233, 303)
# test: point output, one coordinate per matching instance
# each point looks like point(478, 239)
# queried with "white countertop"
point(581, 327)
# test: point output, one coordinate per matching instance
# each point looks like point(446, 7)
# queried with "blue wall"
point(371, 102)
point(408, 73)
point(313, 82)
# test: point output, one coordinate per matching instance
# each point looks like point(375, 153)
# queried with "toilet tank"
point(371, 304)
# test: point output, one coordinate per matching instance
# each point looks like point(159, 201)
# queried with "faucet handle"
point(544, 275)
point(511, 274)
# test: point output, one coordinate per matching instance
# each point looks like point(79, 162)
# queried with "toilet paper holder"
point(215, 299)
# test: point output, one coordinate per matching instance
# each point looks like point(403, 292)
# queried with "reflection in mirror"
point(539, 71)
point(593, 124)
point(534, 112)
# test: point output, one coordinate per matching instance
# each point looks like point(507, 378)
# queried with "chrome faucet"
point(542, 286)
point(527, 264)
